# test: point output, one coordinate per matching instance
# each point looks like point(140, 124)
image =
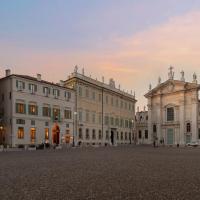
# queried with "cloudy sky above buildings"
point(132, 41)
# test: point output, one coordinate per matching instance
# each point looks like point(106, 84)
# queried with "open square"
point(125, 172)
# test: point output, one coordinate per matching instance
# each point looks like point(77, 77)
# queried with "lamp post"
point(132, 126)
point(74, 129)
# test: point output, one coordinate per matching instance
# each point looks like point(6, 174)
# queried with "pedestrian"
point(154, 143)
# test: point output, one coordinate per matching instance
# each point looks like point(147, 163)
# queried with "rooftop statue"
point(171, 73)
point(182, 76)
point(76, 69)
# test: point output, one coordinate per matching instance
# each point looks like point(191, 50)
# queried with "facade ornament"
point(134, 94)
point(171, 73)
point(138, 109)
point(83, 71)
point(159, 80)
point(103, 79)
point(131, 92)
point(119, 86)
point(182, 76)
point(112, 83)
point(144, 108)
point(150, 87)
point(76, 69)
point(194, 78)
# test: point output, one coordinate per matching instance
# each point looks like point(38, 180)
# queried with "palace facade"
point(34, 111)
point(103, 113)
point(174, 111)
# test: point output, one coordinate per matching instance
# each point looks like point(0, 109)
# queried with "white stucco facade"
point(173, 111)
point(29, 111)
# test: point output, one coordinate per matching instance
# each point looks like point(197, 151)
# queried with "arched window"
point(93, 134)
point(87, 134)
point(188, 128)
point(80, 135)
point(170, 114)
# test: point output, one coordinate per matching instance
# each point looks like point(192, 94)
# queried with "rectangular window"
point(80, 91)
point(68, 114)
point(32, 88)
point(170, 114)
point(67, 95)
point(106, 99)
point(140, 134)
point(122, 104)
point(106, 120)
point(117, 122)
point(93, 96)
point(87, 116)
point(20, 133)
point(32, 135)
point(117, 103)
point(46, 111)
point(112, 101)
point(56, 93)
point(20, 121)
point(111, 121)
point(100, 118)
point(80, 116)
point(21, 108)
point(93, 117)
point(20, 85)
point(100, 97)
point(87, 93)
point(146, 134)
point(56, 114)
point(33, 110)
point(32, 122)
point(46, 91)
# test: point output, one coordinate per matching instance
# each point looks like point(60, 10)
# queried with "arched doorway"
point(56, 134)
point(2, 136)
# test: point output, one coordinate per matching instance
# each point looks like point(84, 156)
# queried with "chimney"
point(8, 72)
point(62, 83)
point(39, 77)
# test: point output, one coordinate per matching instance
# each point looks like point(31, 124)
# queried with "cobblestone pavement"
point(125, 172)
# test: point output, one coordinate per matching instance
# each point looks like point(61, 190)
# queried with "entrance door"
point(112, 137)
point(2, 137)
point(170, 136)
point(188, 139)
point(56, 134)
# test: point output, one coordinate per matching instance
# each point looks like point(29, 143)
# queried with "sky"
point(132, 41)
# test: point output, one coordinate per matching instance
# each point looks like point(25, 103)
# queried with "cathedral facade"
point(174, 111)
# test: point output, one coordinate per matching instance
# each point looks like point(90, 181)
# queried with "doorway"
point(56, 134)
point(170, 136)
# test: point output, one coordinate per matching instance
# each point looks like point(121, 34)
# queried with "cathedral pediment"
point(171, 86)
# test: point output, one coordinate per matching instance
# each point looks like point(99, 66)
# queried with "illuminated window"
point(20, 133)
point(33, 109)
point(56, 114)
point(20, 108)
point(46, 130)
point(33, 135)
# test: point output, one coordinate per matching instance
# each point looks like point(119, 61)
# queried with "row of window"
point(46, 111)
point(33, 88)
point(145, 134)
point(98, 135)
point(108, 100)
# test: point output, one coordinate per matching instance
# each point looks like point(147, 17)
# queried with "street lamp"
point(131, 131)
point(75, 114)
